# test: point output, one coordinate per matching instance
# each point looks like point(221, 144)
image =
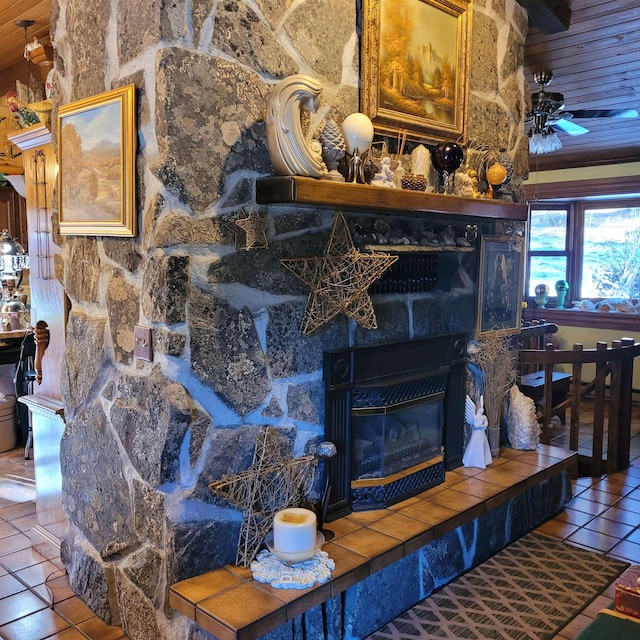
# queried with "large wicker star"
point(274, 481)
point(339, 280)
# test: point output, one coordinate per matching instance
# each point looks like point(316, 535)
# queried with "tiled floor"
point(37, 603)
point(35, 599)
point(604, 516)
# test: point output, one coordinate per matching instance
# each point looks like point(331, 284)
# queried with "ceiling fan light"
point(543, 140)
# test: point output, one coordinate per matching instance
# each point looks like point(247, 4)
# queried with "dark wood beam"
point(548, 16)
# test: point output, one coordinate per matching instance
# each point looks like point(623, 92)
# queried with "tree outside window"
point(594, 246)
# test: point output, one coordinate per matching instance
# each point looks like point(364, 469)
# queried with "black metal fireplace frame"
point(344, 369)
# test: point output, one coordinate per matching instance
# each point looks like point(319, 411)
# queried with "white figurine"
point(478, 453)
point(291, 154)
point(523, 427)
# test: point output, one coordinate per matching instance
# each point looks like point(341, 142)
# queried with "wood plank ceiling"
point(12, 37)
point(596, 64)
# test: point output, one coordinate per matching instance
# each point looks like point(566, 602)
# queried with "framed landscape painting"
point(500, 285)
point(96, 165)
point(414, 66)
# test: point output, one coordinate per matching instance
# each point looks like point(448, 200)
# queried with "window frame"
point(548, 206)
point(574, 239)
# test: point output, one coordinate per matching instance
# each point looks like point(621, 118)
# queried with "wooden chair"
point(531, 376)
point(611, 416)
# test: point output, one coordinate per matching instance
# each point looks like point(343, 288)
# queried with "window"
point(548, 247)
point(595, 246)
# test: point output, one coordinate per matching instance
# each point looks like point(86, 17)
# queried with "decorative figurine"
point(523, 427)
point(478, 453)
point(421, 163)
point(447, 158)
point(333, 149)
point(496, 176)
point(542, 295)
point(291, 154)
point(562, 288)
point(357, 130)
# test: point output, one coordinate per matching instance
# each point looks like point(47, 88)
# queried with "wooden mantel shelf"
point(309, 191)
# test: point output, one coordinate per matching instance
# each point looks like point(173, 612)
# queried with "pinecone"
point(414, 183)
point(333, 146)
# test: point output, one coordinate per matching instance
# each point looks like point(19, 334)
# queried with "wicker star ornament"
point(339, 280)
point(255, 230)
point(274, 481)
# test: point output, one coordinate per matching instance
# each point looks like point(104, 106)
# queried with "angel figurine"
point(478, 453)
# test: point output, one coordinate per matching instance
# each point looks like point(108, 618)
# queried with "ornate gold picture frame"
point(414, 66)
point(500, 285)
point(96, 160)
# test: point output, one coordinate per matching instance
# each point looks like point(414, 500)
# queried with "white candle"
point(294, 530)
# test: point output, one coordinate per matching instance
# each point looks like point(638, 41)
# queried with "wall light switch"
point(142, 348)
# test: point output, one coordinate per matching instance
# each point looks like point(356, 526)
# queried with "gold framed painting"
point(500, 283)
point(414, 67)
point(96, 165)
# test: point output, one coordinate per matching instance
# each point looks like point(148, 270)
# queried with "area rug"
point(528, 591)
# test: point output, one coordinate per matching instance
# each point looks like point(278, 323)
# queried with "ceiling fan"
point(548, 114)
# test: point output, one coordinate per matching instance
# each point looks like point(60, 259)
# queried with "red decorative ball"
point(447, 156)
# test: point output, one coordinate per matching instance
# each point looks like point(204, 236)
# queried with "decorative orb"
point(541, 289)
point(357, 130)
point(447, 156)
point(496, 174)
point(327, 449)
point(562, 285)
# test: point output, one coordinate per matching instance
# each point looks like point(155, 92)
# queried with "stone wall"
point(144, 440)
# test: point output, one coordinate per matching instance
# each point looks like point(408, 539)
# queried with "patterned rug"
point(529, 590)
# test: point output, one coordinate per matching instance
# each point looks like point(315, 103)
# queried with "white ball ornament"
point(357, 130)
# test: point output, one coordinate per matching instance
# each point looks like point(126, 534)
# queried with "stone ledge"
point(363, 544)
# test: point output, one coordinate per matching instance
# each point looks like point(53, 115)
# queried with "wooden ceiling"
point(12, 36)
point(596, 65)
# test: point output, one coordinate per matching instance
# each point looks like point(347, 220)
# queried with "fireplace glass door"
point(395, 413)
point(396, 426)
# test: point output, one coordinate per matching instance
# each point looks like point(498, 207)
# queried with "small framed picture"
point(499, 286)
point(96, 165)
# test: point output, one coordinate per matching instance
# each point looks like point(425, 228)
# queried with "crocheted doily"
point(268, 568)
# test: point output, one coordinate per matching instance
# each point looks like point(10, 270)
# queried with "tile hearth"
point(602, 517)
point(364, 543)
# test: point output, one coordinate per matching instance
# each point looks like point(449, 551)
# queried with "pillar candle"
point(294, 530)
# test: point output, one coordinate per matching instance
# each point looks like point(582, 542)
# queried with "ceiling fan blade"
point(604, 113)
point(569, 127)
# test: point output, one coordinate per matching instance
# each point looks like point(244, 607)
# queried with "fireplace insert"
point(396, 415)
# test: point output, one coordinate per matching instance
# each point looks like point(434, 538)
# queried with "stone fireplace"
point(143, 440)
point(396, 414)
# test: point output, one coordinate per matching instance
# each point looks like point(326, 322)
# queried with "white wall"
point(568, 336)
point(584, 173)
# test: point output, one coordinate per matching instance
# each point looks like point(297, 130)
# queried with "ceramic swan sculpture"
point(290, 153)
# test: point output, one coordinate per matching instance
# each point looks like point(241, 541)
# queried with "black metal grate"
point(373, 397)
point(381, 496)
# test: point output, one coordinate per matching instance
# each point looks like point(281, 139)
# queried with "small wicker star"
point(339, 280)
point(255, 230)
point(274, 481)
